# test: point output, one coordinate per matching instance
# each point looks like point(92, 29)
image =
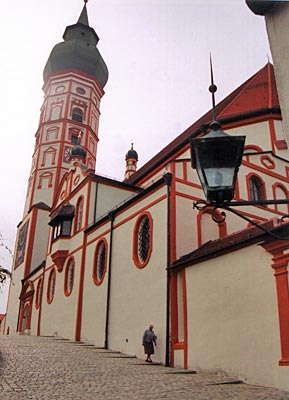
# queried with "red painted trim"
point(160, 167)
point(135, 255)
point(179, 346)
point(79, 218)
point(59, 257)
point(281, 144)
point(280, 186)
point(280, 264)
point(69, 74)
point(174, 314)
point(173, 207)
point(252, 147)
point(132, 216)
point(252, 121)
point(38, 293)
point(217, 215)
point(192, 184)
point(265, 171)
point(185, 171)
point(80, 292)
point(176, 344)
point(185, 308)
point(263, 185)
point(267, 162)
point(272, 134)
point(40, 308)
point(97, 281)
point(30, 242)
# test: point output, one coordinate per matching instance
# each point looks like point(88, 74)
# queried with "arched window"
point(100, 260)
point(256, 188)
point(45, 180)
point(51, 286)
point(77, 114)
point(69, 277)
point(79, 214)
point(56, 111)
point(142, 240)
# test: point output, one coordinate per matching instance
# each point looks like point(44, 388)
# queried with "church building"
point(97, 260)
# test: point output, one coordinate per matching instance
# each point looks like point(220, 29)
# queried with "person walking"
point(149, 340)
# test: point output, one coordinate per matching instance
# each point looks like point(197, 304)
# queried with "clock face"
point(67, 151)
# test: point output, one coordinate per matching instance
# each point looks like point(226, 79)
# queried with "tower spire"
point(83, 18)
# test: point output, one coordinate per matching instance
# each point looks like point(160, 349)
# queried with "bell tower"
point(74, 77)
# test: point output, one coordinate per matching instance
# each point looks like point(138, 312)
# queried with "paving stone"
point(46, 368)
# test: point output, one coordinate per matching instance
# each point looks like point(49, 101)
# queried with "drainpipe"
point(168, 180)
point(111, 217)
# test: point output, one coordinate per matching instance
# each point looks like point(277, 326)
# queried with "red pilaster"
point(281, 274)
point(280, 266)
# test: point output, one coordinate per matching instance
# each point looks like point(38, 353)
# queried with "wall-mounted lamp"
point(217, 156)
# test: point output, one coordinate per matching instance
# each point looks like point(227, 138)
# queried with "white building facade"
point(97, 259)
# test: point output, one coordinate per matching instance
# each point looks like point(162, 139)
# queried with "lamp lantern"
point(217, 156)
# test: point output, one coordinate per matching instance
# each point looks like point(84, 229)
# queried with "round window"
point(80, 90)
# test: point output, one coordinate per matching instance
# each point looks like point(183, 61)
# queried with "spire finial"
point(83, 18)
point(213, 88)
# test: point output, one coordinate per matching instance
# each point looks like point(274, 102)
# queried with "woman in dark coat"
point(148, 341)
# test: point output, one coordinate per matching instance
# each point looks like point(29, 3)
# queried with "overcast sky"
point(157, 53)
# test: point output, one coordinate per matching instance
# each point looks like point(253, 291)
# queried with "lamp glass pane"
point(219, 177)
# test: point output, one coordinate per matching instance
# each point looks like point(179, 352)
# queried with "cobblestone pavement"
point(41, 368)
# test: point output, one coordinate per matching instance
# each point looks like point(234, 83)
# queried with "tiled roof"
point(235, 241)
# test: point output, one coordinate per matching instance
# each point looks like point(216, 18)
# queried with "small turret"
point(131, 159)
point(78, 153)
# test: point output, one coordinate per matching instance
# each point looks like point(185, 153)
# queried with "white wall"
point(233, 317)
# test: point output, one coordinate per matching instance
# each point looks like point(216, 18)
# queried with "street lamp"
point(217, 157)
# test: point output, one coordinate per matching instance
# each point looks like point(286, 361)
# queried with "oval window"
point(80, 90)
point(100, 257)
point(38, 294)
point(142, 243)
point(69, 277)
point(51, 286)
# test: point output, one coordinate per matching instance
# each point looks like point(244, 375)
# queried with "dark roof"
point(261, 7)
point(237, 240)
point(65, 212)
point(78, 51)
point(257, 96)
point(78, 151)
point(131, 154)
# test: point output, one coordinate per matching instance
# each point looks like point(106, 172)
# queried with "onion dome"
point(78, 151)
point(261, 7)
point(78, 51)
point(131, 154)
